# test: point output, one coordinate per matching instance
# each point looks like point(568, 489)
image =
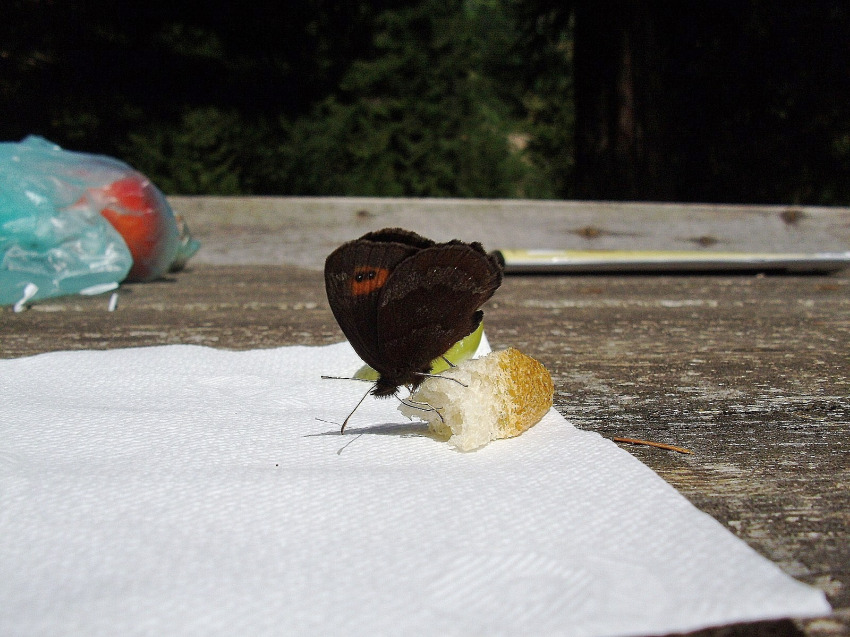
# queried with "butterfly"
point(403, 300)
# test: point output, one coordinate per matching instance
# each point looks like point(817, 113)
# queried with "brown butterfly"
point(403, 300)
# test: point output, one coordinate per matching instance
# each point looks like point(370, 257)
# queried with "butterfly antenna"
point(345, 422)
point(448, 362)
point(366, 380)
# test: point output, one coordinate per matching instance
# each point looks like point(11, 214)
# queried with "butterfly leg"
point(441, 376)
point(423, 406)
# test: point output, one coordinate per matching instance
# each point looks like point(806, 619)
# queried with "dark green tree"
point(729, 101)
point(136, 79)
point(420, 117)
point(742, 101)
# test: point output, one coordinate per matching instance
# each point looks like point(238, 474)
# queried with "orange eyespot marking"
point(367, 279)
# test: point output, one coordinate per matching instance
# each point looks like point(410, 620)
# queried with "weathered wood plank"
point(751, 373)
point(301, 231)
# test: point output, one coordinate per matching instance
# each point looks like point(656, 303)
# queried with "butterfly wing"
point(430, 301)
point(398, 235)
point(355, 273)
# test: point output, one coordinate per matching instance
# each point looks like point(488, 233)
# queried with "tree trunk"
point(619, 102)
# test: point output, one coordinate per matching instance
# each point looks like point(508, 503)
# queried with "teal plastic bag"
point(54, 237)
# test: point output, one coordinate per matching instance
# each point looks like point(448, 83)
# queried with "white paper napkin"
point(183, 490)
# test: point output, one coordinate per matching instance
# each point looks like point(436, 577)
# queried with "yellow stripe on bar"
point(668, 260)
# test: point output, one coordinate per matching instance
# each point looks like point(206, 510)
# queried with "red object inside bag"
point(143, 219)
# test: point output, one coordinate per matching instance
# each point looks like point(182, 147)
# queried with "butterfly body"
point(403, 300)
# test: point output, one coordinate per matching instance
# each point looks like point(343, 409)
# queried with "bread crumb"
point(497, 396)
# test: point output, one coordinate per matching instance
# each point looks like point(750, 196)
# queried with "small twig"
point(649, 443)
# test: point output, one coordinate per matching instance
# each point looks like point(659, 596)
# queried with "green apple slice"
point(460, 351)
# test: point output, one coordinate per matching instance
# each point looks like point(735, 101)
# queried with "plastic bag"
point(73, 222)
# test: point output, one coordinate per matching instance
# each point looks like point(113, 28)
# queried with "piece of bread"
point(502, 394)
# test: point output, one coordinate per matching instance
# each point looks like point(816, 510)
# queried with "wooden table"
point(751, 373)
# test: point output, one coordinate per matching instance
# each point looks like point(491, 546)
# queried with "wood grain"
point(750, 373)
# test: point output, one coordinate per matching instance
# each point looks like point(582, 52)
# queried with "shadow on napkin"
point(402, 430)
